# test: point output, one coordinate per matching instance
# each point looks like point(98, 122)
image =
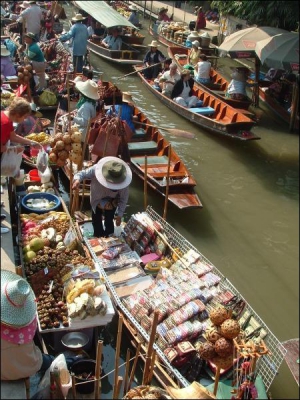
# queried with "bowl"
point(75, 340)
point(84, 367)
point(40, 195)
point(34, 175)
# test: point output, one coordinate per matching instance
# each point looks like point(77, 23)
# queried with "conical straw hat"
point(193, 391)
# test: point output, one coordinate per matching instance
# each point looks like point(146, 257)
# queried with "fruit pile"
point(42, 137)
point(24, 74)
point(66, 146)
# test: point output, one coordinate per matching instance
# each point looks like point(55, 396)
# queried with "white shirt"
point(166, 76)
point(203, 69)
point(84, 114)
point(185, 94)
point(237, 87)
point(32, 17)
point(90, 31)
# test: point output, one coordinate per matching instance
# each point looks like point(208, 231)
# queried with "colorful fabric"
point(21, 335)
point(6, 128)
point(7, 67)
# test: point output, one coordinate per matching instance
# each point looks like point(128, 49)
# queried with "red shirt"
point(6, 128)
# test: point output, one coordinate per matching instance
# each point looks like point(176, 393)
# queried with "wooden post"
point(98, 369)
point(137, 354)
point(151, 370)
point(145, 183)
point(119, 337)
point(217, 377)
point(168, 183)
point(69, 124)
point(19, 270)
point(150, 350)
point(126, 372)
point(73, 385)
point(119, 384)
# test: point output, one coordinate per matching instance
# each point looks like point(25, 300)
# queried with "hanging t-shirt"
point(6, 128)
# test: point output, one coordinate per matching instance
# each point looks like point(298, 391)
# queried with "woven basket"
point(147, 392)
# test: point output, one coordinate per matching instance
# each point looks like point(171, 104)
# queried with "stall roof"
point(103, 13)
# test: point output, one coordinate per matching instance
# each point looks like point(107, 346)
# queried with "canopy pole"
point(256, 87)
point(294, 106)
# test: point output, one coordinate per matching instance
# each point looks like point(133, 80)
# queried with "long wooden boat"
point(133, 293)
point(218, 84)
point(214, 115)
point(109, 18)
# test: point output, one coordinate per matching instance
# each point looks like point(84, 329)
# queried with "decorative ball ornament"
point(212, 334)
point(230, 329)
point(224, 347)
point(223, 362)
point(207, 351)
point(218, 315)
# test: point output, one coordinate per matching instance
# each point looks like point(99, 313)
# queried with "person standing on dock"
point(110, 180)
point(80, 35)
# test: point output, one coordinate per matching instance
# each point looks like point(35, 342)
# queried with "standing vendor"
point(110, 180)
point(34, 54)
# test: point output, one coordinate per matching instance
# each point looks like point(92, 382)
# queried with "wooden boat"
point(218, 84)
point(131, 290)
point(214, 115)
point(109, 17)
point(123, 9)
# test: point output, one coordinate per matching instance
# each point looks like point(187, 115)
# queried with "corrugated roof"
point(103, 13)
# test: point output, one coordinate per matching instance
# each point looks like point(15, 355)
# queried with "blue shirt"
point(80, 36)
point(126, 114)
point(114, 43)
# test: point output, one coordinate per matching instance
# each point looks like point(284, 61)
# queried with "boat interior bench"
point(147, 147)
point(202, 110)
point(151, 160)
point(139, 133)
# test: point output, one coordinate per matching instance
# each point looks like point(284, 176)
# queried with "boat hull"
point(124, 57)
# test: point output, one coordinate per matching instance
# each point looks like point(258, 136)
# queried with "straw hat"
point(76, 79)
point(126, 97)
point(31, 36)
point(18, 306)
point(88, 88)
point(78, 17)
point(4, 51)
point(196, 43)
point(153, 44)
point(25, 4)
point(162, 9)
point(193, 391)
point(113, 173)
point(132, 7)
point(35, 109)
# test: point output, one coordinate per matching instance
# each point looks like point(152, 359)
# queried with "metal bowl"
point(75, 340)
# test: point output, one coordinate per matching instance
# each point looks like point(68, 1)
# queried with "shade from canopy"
point(241, 44)
point(103, 13)
point(280, 51)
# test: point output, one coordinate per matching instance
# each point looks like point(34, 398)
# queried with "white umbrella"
point(280, 51)
point(241, 44)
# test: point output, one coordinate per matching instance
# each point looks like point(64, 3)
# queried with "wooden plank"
point(292, 357)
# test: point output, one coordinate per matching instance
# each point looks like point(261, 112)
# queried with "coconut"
point(218, 315)
point(207, 351)
point(224, 347)
point(230, 329)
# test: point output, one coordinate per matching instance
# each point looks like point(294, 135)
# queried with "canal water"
point(249, 225)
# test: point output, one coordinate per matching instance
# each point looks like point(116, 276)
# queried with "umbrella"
point(280, 51)
point(241, 44)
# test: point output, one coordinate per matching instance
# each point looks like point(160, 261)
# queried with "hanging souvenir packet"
point(206, 295)
point(210, 279)
point(177, 267)
point(191, 256)
point(200, 268)
point(146, 323)
point(184, 331)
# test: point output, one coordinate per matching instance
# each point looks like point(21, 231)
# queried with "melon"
point(29, 256)
point(36, 244)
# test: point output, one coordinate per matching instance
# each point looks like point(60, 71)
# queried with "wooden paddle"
point(173, 131)
point(139, 70)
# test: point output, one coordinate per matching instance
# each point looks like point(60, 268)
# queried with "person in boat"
point(18, 110)
point(110, 180)
point(96, 31)
point(32, 16)
point(32, 123)
point(201, 21)
point(80, 36)
point(153, 60)
point(163, 16)
point(49, 32)
point(202, 70)
point(134, 16)
point(182, 92)
point(168, 79)
point(127, 110)
point(7, 66)
point(237, 86)
point(113, 41)
point(86, 106)
point(193, 56)
point(20, 357)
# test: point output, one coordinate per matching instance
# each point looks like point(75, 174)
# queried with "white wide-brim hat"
point(126, 97)
point(132, 7)
point(78, 17)
point(4, 51)
point(88, 88)
point(113, 173)
point(18, 304)
point(154, 43)
point(25, 4)
point(77, 79)
point(196, 43)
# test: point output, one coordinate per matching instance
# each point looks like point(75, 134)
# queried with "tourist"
point(168, 80)
point(237, 86)
point(201, 21)
point(110, 180)
point(96, 31)
point(35, 55)
point(162, 15)
point(153, 60)
point(127, 110)
point(182, 92)
point(80, 36)
point(32, 124)
point(18, 110)
point(7, 66)
point(193, 56)
point(134, 16)
point(20, 357)
point(202, 70)
point(113, 41)
point(32, 16)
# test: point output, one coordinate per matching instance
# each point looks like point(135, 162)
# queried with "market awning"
point(103, 13)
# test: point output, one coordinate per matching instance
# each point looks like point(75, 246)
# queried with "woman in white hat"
point(193, 56)
point(7, 67)
point(238, 84)
point(153, 60)
point(134, 16)
point(110, 180)
point(20, 357)
point(87, 104)
point(80, 35)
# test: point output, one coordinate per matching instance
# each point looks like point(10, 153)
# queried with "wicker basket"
point(147, 392)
